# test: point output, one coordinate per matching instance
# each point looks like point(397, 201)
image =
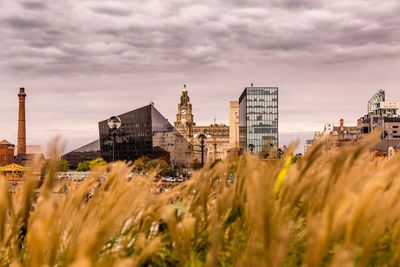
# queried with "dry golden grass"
point(338, 209)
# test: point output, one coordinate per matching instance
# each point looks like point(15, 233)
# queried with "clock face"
point(183, 111)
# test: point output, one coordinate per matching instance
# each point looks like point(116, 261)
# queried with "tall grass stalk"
point(327, 209)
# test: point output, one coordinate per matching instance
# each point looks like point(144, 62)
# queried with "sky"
point(82, 61)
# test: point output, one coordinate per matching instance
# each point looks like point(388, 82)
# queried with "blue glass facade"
point(258, 119)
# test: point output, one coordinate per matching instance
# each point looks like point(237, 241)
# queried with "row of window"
point(264, 99)
point(262, 91)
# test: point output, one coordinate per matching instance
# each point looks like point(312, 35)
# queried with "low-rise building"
point(335, 137)
point(6, 153)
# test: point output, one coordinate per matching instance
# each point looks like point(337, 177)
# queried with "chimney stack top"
point(22, 92)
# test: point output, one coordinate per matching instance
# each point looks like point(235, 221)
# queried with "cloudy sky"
point(82, 61)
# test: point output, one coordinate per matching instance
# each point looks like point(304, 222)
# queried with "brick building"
point(6, 153)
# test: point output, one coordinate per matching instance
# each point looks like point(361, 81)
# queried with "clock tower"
point(184, 118)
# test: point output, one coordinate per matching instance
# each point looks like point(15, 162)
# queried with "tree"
point(164, 168)
point(83, 166)
point(139, 165)
point(63, 165)
point(93, 164)
point(90, 165)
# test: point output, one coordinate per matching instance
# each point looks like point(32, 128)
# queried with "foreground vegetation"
point(339, 209)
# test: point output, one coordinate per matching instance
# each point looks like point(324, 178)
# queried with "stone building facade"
point(234, 124)
point(217, 142)
point(176, 145)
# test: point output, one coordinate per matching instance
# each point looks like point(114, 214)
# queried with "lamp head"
point(114, 122)
point(202, 137)
point(251, 147)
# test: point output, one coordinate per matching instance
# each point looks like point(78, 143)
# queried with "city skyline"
point(326, 58)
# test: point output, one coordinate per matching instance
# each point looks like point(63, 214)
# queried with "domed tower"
point(184, 118)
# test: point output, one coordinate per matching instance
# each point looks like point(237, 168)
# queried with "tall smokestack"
point(21, 149)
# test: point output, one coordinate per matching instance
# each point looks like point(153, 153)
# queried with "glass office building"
point(258, 119)
point(135, 136)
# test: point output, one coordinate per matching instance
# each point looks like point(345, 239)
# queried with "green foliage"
point(93, 164)
point(146, 165)
point(63, 165)
point(90, 165)
point(139, 165)
point(163, 167)
point(83, 166)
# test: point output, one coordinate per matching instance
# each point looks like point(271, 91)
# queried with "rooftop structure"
point(378, 105)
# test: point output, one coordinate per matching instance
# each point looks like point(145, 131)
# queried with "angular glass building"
point(258, 119)
point(135, 136)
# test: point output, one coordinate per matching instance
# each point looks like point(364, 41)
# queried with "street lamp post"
point(202, 138)
point(251, 148)
point(114, 123)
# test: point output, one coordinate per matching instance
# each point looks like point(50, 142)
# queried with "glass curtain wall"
point(259, 118)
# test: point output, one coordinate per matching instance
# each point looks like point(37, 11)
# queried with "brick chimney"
point(21, 148)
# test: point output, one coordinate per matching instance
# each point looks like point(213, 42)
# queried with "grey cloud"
point(112, 11)
point(171, 40)
point(19, 23)
point(33, 5)
point(290, 4)
point(297, 4)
